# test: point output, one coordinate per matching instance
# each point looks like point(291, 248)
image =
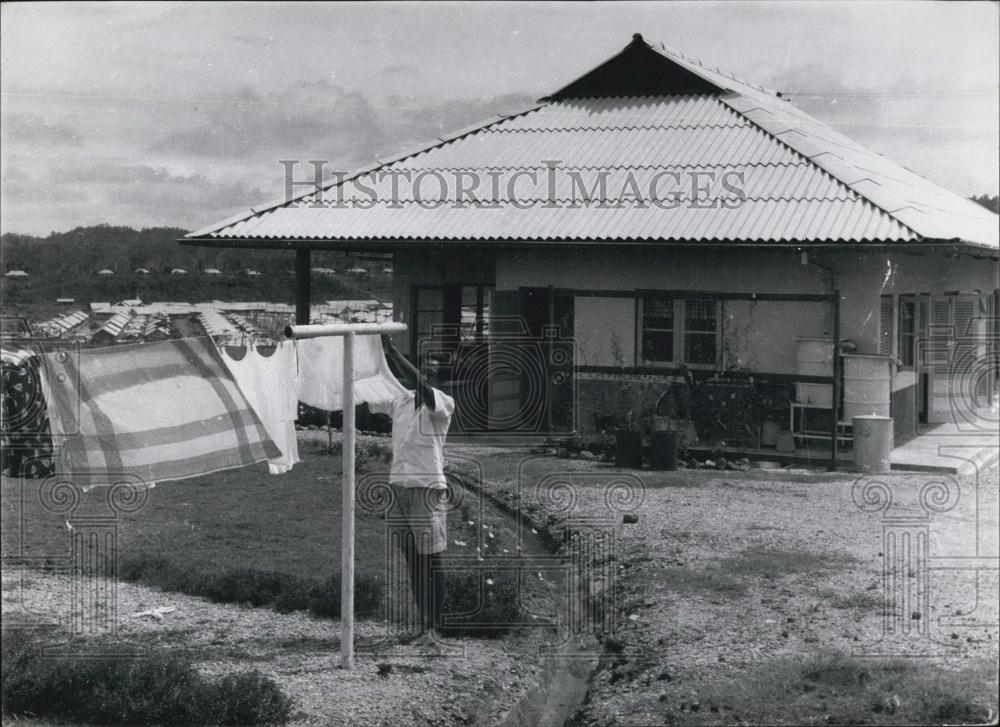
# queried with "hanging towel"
point(159, 411)
point(268, 382)
point(321, 372)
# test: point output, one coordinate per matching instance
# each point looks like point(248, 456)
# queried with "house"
point(656, 224)
point(15, 274)
point(251, 273)
point(358, 270)
point(213, 271)
point(140, 271)
point(111, 330)
point(105, 272)
point(178, 271)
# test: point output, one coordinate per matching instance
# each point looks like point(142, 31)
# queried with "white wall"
point(599, 324)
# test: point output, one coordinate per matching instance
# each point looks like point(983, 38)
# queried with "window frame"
point(680, 332)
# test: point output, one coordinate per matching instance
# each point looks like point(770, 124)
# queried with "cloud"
point(401, 69)
point(312, 118)
point(34, 129)
point(123, 193)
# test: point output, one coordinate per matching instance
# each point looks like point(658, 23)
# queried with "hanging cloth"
point(159, 411)
point(268, 382)
point(321, 372)
point(26, 446)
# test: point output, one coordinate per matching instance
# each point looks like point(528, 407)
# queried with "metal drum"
point(872, 443)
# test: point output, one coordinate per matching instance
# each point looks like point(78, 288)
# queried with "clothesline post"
point(348, 331)
point(347, 548)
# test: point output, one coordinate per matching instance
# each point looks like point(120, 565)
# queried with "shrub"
point(282, 592)
point(324, 598)
point(252, 699)
point(164, 690)
point(481, 603)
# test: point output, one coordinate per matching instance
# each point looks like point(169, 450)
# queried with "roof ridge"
point(778, 137)
point(643, 127)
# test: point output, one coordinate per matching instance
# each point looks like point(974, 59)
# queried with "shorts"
point(421, 511)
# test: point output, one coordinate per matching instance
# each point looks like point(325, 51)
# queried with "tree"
point(990, 203)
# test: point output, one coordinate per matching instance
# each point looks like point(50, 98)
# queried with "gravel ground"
point(719, 574)
point(726, 571)
point(301, 653)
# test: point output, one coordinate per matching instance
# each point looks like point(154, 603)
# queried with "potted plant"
point(624, 422)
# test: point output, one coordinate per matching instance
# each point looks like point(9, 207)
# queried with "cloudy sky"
point(178, 113)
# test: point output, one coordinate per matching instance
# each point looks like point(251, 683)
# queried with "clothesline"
point(205, 408)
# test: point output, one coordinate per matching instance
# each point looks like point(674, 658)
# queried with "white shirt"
point(417, 439)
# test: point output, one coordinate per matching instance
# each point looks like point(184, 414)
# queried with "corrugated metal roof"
point(800, 182)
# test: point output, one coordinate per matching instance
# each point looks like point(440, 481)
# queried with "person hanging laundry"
point(420, 421)
point(321, 378)
point(26, 446)
point(159, 411)
point(268, 380)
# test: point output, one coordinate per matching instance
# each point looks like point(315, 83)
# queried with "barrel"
point(867, 385)
point(814, 357)
point(664, 450)
point(872, 443)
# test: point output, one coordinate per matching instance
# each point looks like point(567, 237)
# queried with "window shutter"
point(885, 325)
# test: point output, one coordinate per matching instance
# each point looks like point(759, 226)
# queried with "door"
point(957, 359)
point(531, 362)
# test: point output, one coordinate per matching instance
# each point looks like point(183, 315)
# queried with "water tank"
point(814, 357)
point(867, 385)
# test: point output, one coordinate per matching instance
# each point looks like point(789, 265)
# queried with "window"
point(907, 331)
point(657, 330)
point(700, 328)
point(680, 330)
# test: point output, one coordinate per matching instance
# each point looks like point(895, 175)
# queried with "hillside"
point(65, 264)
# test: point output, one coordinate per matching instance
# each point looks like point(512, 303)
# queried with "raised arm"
point(424, 393)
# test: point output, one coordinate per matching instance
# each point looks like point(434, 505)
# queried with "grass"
point(776, 562)
point(162, 690)
point(248, 537)
point(831, 688)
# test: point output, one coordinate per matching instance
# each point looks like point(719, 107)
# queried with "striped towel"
point(159, 411)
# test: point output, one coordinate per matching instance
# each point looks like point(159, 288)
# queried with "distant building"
point(141, 271)
point(129, 303)
point(66, 301)
point(253, 273)
point(213, 271)
point(15, 274)
point(387, 270)
point(105, 271)
point(178, 271)
point(324, 271)
point(358, 271)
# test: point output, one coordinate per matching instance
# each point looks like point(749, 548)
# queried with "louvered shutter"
point(885, 325)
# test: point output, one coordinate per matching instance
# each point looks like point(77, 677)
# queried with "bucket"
point(872, 443)
point(769, 433)
point(785, 442)
point(664, 454)
point(867, 385)
point(628, 448)
point(814, 357)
